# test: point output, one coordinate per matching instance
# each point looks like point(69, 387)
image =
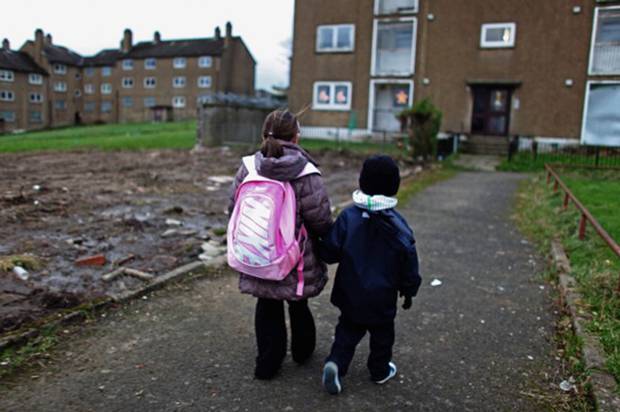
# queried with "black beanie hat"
point(380, 176)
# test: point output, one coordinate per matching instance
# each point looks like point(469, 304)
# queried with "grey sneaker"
point(331, 380)
point(390, 375)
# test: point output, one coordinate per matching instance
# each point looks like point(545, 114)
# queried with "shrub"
point(422, 123)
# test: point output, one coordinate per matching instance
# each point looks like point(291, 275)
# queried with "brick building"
point(546, 69)
point(151, 80)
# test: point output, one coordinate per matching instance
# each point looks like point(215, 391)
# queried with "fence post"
point(555, 186)
point(582, 227)
point(566, 198)
point(548, 178)
point(598, 156)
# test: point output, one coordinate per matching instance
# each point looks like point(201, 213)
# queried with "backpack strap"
point(303, 238)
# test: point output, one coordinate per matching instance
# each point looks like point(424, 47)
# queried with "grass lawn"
point(140, 136)
point(595, 267)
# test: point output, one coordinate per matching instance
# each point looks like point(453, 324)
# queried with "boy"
point(378, 259)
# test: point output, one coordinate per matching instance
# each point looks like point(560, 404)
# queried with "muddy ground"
point(151, 209)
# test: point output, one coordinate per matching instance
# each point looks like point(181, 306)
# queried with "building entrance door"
point(491, 114)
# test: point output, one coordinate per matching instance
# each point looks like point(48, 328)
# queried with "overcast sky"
point(89, 26)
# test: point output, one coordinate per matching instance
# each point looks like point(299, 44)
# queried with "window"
point(338, 38)
point(60, 105)
point(605, 51)
point(7, 116)
point(601, 123)
point(127, 82)
point(498, 35)
point(90, 107)
point(332, 96)
point(35, 116)
point(89, 89)
point(7, 96)
point(7, 76)
point(204, 98)
point(178, 82)
point(394, 47)
point(106, 88)
point(127, 64)
point(78, 76)
point(36, 98)
point(77, 93)
point(204, 82)
point(150, 64)
point(205, 61)
point(34, 78)
point(149, 101)
point(396, 6)
point(150, 82)
point(60, 87)
point(106, 71)
point(386, 100)
point(178, 102)
point(179, 63)
point(89, 71)
point(60, 68)
point(106, 107)
point(127, 101)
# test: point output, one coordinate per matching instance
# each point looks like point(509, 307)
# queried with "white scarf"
point(373, 203)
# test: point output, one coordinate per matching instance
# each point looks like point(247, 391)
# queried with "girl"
point(281, 158)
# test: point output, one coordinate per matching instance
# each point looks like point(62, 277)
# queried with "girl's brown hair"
point(279, 125)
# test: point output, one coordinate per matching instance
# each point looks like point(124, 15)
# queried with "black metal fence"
point(529, 152)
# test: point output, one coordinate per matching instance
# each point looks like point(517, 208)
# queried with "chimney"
point(48, 39)
point(127, 42)
point(6, 45)
point(157, 37)
point(229, 29)
point(38, 46)
point(218, 33)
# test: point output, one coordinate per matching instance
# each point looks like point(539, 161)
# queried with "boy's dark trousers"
point(349, 334)
point(271, 334)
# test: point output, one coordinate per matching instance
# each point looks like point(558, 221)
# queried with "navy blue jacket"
point(378, 259)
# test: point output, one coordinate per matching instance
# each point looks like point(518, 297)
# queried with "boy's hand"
point(407, 303)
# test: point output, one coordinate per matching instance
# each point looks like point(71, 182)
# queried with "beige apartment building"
point(549, 69)
point(156, 80)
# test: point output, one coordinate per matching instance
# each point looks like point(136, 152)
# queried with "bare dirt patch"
point(150, 211)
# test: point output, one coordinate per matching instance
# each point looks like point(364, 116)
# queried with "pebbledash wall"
point(546, 69)
point(151, 80)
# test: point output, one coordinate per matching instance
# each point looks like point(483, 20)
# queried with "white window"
point(36, 98)
point(34, 78)
point(150, 64)
point(332, 96)
point(396, 6)
point(106, 71)
point(127, 64)
point(601, 123)
point(204, 82)
point(90, 71)
point(149, 102)
point(106, 88)
point(179, 63)
point(393, 51)
point(7, 95)
point(127, 82)
point(498, 35)
point(338, 38)
point(605, 49)
point(89, 89)
point(204, 98)
point(60, 87)
point(7, 76)
point(127, 101)
point(7, 116)
point(60, 68)
point(35, 117)
point(178, 82)
point(150, 82)
point(106, 107)
point(205, 61)
point(387, 98)
point(77, 93)
point(60, 105)
point(178, 102)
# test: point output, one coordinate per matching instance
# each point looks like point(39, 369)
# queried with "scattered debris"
point(436, 282)
point(211, 250)
point(174, 210)
point(566, 386)
point(138, 274)
point(28, 262)
point(174, 222)
point(36, 188)
point(222, 179)
point(113, 275)
point(96, 260)
point(124, 260)
point(20, 272)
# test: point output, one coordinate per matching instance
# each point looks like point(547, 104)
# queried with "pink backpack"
point(261, 230)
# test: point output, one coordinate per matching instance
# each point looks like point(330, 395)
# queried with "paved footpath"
point(482, 341)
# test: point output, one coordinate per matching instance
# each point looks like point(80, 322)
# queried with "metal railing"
point(529, 151)
point(586, 217)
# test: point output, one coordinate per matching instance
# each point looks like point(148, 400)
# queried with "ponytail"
point(271, 148)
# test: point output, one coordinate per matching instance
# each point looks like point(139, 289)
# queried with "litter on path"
point(436, 282)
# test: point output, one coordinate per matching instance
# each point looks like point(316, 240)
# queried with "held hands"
point(407, 302)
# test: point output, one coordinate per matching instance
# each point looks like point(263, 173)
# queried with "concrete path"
point(483, 163)
point(479, 342)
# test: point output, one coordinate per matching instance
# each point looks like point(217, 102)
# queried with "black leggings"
point(271, 334)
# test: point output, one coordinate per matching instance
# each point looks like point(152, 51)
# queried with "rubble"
point(96, 260)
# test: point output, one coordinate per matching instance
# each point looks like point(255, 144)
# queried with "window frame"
point(593, 42)
point(106, 103)
point(8, 93)
point(11, 118)
point(124, 101)
point(127, 82)
point(127, 64)
point(205, 58)
point(32, 76)
point(58, 106)
point(90, 107)
point(201, 86)
point(59, 89)
point(416, 9)
point(89, 71)
point(106, 88)
point(371, 96)
point(60, 68)
point(146, 86)
point(35, 101)
point(375, 39)
point(486, 44)
point(589, 83)
point(179, 86)
point(153, 98)
point(335, 48)
point(89, 88)
point(177, 60)
point(178, 106)
point(9, 76)
point(332, 106)
point(106, 71)
point(35, 121)
point(148, 66)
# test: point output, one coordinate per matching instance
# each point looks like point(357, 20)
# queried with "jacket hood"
point(285, 168)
